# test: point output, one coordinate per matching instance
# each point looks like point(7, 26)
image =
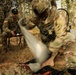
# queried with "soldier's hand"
point(12, 32)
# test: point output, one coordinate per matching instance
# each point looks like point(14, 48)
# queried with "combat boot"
point(4, 44)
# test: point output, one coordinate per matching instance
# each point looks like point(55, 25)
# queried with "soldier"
point(10, 26)
point(42, 17)
point(63, 38)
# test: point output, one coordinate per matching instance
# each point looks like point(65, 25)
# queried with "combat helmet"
point(14, 10)
point(40, 5)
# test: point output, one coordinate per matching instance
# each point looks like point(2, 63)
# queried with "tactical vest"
point(13, 25)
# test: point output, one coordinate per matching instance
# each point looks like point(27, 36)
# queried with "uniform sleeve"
point(6, 26)
point(30, 22)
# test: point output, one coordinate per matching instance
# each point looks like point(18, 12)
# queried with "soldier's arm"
point(31, 21)
point(27, 23)
point(50, 19)
point(30, 25)
point(6, 27)
point(53, 11)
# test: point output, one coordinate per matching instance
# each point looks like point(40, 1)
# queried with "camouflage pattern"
point(70, 56)
point(43, 18)
point(63, 39)
point(40, 5)
point(73, 25)
point(60, 24)
point(9, 25)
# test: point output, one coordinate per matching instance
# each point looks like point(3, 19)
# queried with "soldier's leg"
point(54, 48)
point(44, 38)
point(4, 40)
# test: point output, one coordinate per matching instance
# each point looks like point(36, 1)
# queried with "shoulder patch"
point(5, 21)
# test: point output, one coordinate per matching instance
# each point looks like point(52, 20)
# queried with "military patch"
point(5, 21)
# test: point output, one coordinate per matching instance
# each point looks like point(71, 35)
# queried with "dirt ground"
point(21, 54)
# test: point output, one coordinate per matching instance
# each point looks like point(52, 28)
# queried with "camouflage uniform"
point(42, 17)
point(63, 38)
point(9, 25)
point(70, 56)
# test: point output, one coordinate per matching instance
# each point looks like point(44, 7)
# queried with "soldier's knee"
point(4, 34)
